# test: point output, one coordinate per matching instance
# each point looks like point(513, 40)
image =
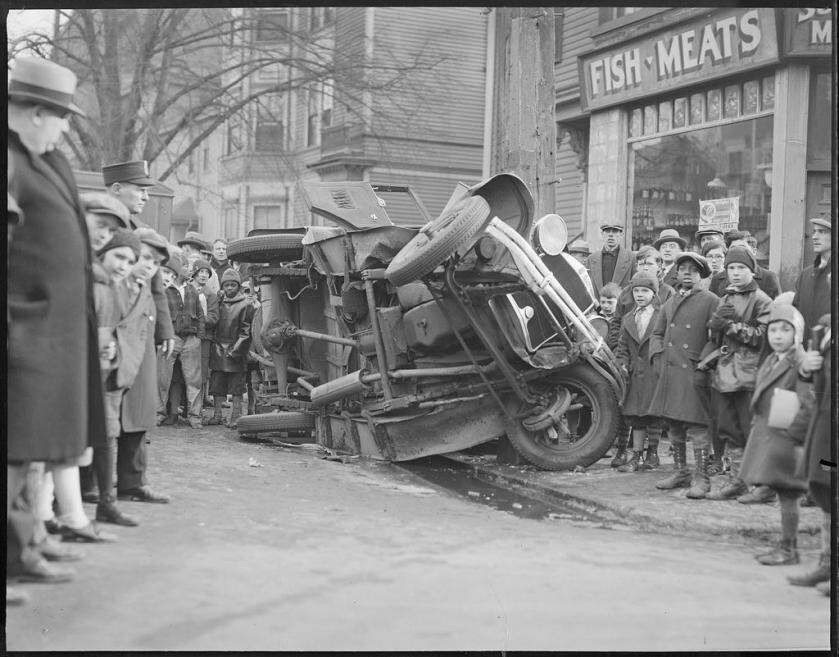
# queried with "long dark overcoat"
point(139, 404)
point(54, 389)
point(771, 453)
point(679, 336)
point(633, 352)
point(818, 435)
point(624, 269)
point(232, 334)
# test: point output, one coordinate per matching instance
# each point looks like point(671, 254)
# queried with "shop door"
point(819, 191)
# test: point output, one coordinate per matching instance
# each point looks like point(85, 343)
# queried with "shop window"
point(268, 216)
point(672, 173)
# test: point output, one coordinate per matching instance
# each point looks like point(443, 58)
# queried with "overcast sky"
point(21, 21)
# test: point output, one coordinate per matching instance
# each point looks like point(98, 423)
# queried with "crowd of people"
point(716, 354)
point(151, 332)
point(144, 329)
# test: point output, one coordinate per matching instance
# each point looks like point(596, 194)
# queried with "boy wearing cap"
point(188, 319)
point(678, 338)
point(633, 355)
point(139, 403)
point(812, 288)
point(736, 328)
point(230, 348)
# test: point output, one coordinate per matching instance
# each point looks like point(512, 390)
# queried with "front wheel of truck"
point(580, 435)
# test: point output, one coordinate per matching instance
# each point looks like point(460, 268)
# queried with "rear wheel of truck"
point(266, 248)
point(282, 421)
point(437, 240)
point(583, 433)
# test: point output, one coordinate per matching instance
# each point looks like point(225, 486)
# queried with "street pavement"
point(271, 548)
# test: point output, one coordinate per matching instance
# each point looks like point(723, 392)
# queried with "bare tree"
point(155, 83)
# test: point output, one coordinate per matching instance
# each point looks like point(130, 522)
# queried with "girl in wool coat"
point(772, 450)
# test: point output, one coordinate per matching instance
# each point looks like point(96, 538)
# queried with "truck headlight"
point(550, 234)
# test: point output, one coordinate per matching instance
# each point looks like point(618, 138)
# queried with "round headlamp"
point(550, 234)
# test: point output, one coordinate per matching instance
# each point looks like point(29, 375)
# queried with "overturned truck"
point(397, 343)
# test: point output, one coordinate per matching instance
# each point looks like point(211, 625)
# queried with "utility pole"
point(524, 130)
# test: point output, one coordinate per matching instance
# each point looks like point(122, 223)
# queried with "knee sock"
point(638, 436)
point(68, 493)
point(789, 515)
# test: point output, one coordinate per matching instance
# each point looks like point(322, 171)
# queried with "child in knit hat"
point(770, 455)
point(633, 355)
point(737, 327)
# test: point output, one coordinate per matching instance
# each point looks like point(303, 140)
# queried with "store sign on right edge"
point(721, 214)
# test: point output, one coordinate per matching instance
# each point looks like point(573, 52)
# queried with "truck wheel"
point(587, 428)
point(266, 248)
point(282, 421)
point(437, 240)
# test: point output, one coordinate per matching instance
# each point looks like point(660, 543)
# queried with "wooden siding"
point(578, 23)
point(445, 102)
point(569, 190)
point(349, 42)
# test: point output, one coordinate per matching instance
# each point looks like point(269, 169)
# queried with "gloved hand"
point(719, 322)
point(726, 310)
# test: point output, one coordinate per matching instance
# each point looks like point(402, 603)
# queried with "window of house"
point(268, 216)
point(313, 118)
point(190, 162)
point(205, 157)
point(270, 127)
point(234, 136)
point(327, 97)
point(271, 26)
point(231, 216)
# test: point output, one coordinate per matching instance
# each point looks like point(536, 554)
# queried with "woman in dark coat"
point(817, 447)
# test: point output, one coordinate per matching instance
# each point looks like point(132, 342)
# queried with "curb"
point(629, 514)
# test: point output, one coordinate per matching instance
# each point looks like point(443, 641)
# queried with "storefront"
point(732, 104)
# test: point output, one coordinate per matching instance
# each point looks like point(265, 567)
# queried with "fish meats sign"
point(728, 41)
point(808, 31)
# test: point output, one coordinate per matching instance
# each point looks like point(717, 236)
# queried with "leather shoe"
point(108, 512)
point(40, 571)
point(758, 495)
point(53, 526)
point(90, 533)
point(91, 497)
point(52, 550)
point(143, 494)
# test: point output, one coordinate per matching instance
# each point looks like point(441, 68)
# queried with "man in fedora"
point(53, 386)
point(812, 289)
point(195, 248)
point(670, 244)
point(129, 182)
point(611, 264)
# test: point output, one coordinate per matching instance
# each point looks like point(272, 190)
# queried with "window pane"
point(650, 119)
point(750, 94)
point(679, 112)
point(682, 165)
point(714, 105)
point(271, 27)
point(821, 111)
point(268, 216)
point(697, 109)
point(732, 102)
point(635, 123)
point(768, 101)
point(665, 111)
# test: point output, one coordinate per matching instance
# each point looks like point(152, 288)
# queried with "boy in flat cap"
point(678, 339)
point(737, 327)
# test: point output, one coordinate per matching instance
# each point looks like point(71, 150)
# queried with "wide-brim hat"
point(823, 221)
point(135, 172)
point(700, 262)
point(194, 239)
point(43, 82)
point(101, 203)
point(670, 235)
point(612, 226)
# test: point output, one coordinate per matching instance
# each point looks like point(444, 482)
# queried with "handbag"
point(736, 370)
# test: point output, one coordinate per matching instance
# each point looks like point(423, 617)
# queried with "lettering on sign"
point(738, 40)
point(809, 31)
point(721, 214)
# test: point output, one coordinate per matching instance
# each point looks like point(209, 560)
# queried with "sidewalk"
point(633, 498)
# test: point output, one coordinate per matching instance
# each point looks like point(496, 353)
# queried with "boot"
point(217, 418)
point(821, 573)
point(108, 511)
point(700, 485)
point(236, 413)
point(633, 464)
point(714, 465)
point(784, 555)
point(681, 477)
point(758, 495)
point(733, 487)
point(651, 460)
point(620, 457)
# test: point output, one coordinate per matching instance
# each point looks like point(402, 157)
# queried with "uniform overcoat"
point(817, 436)
point(771, 454)
point(633, 353)
point(139, 405)
point(232, 334)
point(54, 389)
point(679, 336)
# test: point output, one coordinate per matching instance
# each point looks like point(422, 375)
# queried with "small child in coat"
point(633, 356)
point(771, 454)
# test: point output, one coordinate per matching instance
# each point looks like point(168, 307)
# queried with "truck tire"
point(594, 426)
point(282, 421)
point(266, 248)
point(437, 240)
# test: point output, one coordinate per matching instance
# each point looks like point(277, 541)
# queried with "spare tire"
point(266, 248)
point(282, 421)
point(437, 240)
